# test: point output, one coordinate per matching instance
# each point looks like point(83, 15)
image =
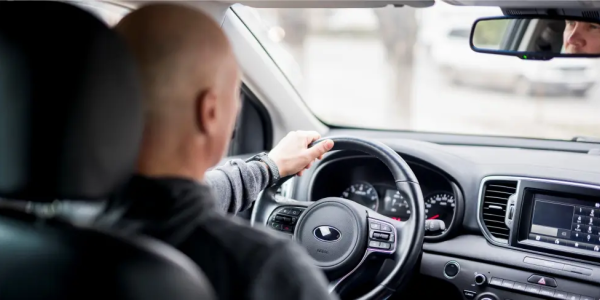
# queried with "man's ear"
point(206, 112)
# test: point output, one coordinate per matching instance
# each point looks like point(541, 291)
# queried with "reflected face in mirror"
point(581, 37)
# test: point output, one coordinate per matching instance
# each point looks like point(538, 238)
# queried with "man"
point(581, 37)
point(191, 84)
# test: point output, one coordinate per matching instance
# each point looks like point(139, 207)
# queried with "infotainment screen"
point(559, 221)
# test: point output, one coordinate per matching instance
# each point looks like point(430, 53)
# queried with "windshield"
point(413, 69)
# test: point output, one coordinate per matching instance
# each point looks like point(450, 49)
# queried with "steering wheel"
point(342, 236)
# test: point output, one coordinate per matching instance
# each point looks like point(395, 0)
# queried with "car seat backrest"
point(70, 125)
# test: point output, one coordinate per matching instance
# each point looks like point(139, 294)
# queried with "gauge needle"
point(434, 217)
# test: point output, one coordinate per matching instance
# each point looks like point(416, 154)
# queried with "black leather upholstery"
point(70, 123)
point(70, 117)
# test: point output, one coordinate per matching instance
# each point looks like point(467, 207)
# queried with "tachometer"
point(440, 206)
point(362, 193)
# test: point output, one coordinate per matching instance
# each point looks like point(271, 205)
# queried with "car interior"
point(419, 214)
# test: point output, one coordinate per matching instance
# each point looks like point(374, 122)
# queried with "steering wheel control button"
point(381, 236)
point(480, 279)
point(282, 219)
point(541, 280)
point(496, 281)
point(385, 246)
point(451, 269)
point(469, 294)
point(385, 227)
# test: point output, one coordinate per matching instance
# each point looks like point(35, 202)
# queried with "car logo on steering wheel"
point(327, 234)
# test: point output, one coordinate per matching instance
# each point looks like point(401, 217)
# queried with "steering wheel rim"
point(407, 236)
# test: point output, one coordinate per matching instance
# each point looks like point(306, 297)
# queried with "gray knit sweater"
point(237, 183)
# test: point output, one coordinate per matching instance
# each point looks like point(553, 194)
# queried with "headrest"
point(70, 104)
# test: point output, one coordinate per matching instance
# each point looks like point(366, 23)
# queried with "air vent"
point(495, 198)
point(590, 14)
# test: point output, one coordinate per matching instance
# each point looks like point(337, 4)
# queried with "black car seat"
point(70, 125)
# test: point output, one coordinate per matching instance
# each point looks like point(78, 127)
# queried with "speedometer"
point(440, 206)
point(362, 193)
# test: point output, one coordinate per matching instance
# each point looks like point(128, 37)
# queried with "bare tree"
point(398, 26)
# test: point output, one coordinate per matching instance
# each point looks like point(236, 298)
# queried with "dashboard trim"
point(504, 243)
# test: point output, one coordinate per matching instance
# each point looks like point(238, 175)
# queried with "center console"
point(556, 218)
point(541, 241)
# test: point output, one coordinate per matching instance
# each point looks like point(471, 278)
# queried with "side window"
point(254, 130)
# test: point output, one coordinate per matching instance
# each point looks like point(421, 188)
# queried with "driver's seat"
point(70, 125)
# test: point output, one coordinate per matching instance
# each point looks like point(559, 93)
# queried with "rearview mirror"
point(539, 38)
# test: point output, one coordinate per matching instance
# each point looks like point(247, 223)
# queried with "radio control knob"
point(487, 296)
point(480, 279)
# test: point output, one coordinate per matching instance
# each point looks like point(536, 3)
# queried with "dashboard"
point(367, 181)
point(525, 222)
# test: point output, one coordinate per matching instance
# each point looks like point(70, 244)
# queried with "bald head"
point(181, 51)
point(191, 84)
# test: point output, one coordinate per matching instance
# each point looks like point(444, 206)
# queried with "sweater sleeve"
point(237, 183)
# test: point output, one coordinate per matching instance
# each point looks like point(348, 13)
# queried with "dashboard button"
point(578, 270)
point(508, 284)
point(573, 297)
point(560, 295)
point(564, 234)
point(496, 281)
point(469, 294)
point(541, 280)
point(579, 245)
point(519, 286)
point(547, 291)
point(578, 236)
point(543, 263)
point(532, 289)
point(451, 269)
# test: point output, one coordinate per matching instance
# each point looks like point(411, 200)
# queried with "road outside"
point(349, 79)
point(350, 82)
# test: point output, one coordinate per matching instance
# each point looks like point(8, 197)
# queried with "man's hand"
point(292, 154)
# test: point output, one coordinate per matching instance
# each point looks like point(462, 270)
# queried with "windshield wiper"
point(586, 139)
